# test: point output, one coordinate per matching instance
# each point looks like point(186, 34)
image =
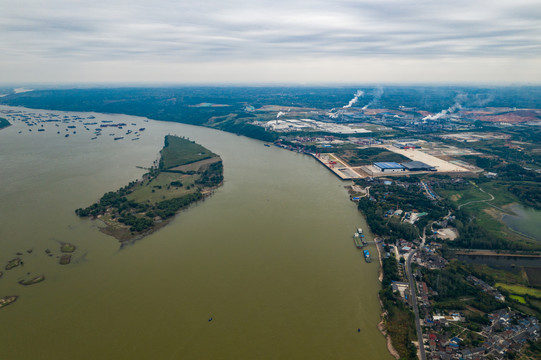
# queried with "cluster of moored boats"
point(360, 242)
point(72, 123)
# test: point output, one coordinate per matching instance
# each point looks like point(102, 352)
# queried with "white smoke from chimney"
point(356, 96)
point(457, 106)
point(377, 95)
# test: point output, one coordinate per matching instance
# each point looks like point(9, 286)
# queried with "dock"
point(338, 166)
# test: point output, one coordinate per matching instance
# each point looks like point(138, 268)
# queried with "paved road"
point(413, 297)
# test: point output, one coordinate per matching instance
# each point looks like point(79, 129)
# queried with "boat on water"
point(357, 241)
point(6, 300)
point(267, 145)
point(359, 231)
point(119, 138)
point(367, 257)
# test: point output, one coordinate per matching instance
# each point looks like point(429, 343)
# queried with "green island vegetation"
point(4, 123)
point(14, 263)
point(65, 259)
point(187, 172)
point(67, 248)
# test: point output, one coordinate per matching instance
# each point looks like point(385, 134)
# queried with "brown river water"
point(269, 257)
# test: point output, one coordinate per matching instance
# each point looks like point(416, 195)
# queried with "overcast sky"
point(262, 41)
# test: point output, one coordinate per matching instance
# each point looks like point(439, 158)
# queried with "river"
point(269, 257)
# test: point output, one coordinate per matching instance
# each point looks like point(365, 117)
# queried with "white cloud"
point(204, 34)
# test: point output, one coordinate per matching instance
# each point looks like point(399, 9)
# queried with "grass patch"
point(487, 215)
point(518, 298)
point(160, 188)
point(67, 248)
point(520, 290)
point(180, 151)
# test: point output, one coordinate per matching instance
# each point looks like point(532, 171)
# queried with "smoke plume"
point(376, 96)
point(356, 96)
point(460, 98)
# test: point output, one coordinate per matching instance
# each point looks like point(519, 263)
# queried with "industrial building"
point(418, 166)
point(406, 146)
point(388, 166)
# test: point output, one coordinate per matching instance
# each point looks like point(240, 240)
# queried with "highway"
point(413, 297)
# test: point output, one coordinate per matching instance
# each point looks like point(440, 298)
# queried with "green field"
point(180, 151)
point(488, 214)
point(160, 188)
point(520, 290)
point(520, 299)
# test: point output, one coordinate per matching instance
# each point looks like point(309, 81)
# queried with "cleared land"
point(418, 155)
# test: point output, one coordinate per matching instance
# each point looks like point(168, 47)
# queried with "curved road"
point(413, 297)
point(478, 201)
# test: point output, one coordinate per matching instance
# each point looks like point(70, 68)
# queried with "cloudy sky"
point(265, 41)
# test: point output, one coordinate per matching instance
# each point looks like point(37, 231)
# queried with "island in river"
point(185, 173)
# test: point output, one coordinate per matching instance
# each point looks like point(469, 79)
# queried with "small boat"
point(367, 257)
point(6, 300)
point(119, 138)
point(267, 145)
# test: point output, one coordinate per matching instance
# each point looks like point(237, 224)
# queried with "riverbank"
point(381, 324)
point(187, 173)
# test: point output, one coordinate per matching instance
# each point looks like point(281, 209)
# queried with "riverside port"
point(425, 155)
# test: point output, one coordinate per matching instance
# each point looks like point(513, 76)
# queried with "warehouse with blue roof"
point(389, 166)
